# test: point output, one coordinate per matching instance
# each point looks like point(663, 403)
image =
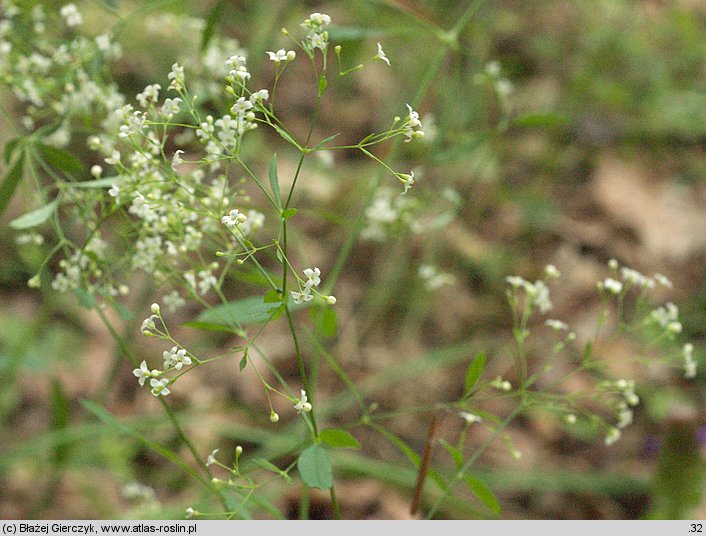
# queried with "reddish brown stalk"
point(424, 466)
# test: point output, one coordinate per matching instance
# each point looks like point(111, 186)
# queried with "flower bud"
point(331, 300)
point(274, 417)
point(155, 308)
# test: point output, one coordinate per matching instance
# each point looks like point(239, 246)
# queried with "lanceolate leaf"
point(211, 21)
point(60, 159)
point(10, 182)
point(475, 369)
point(274, 180)
point(36, 217)
point(315, 467)
point(483, 493)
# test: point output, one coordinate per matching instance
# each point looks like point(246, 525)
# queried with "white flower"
point(470, 418)
point(500, 384)
point(176, 77)
point(551, 272)
point(148, 324)
point(143, 373)
point(663, 280)
point(664, 315)
point(176, 357)
point(233, 218)
point(689, 362)
point(160, 387)
point(114, 158)
point(173, 301)
point(211, 457)
point(612, 286)
point(149, 95)
point(381, 55)
point(281, 55)
point(302, 404)
point(176, 160)
point(413, 126)
point(515, 281)
point(570, 418)
point(612, 436)
point(190, 512)
point(71, 15)
point(406, 180)
point(303, 296)
point(312, 275)
point(557, 325)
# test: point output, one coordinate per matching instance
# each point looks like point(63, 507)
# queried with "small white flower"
point(302, 404)
point(280, 56)
point(302, 297)
point(233, 218)
point(114, 158)
point(612, 286)
point(515, 281)
point(71, 15)
point(176, 77)
point(612, 436)
point(551, 272)
point(406, 180)
point(470, 418)
point(190, 512)
point(312, 276)
point(557, 325)
point(413, 126)
point(114, 191)
point(689, 362)
point(381, 55)
point(96, 171)
point(160, 387)
point(148, 324)
point(176, 160)
point(149, 95)
point(570, 418)
point(211, 457)
point(176, 357)
point(143, 373)
point(664, 281)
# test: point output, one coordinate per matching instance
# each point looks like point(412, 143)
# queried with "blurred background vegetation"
point(596, 153)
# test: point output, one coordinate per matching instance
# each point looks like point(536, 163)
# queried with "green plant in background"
point(179, 192)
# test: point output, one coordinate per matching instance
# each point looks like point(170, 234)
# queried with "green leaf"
point(475, 369)
point(211, 21)
point(123, 312)
point(105, 182)
point(274, 180)
point(286, 136)
point(207, 326)
point(114, 423)
point(36, 217)
point(483, 494)
point(269, 466)
point(10, 182)
point(10, 147)
point(323, 142)
point(272, 296)
point(337, 438)
point(325, 321)
point(60, 159)
point(239, 313)
point(456, 454)
point(61, 413)
point(243, 362)
point(315, 467)
point(84, 298)
point(288, 213)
